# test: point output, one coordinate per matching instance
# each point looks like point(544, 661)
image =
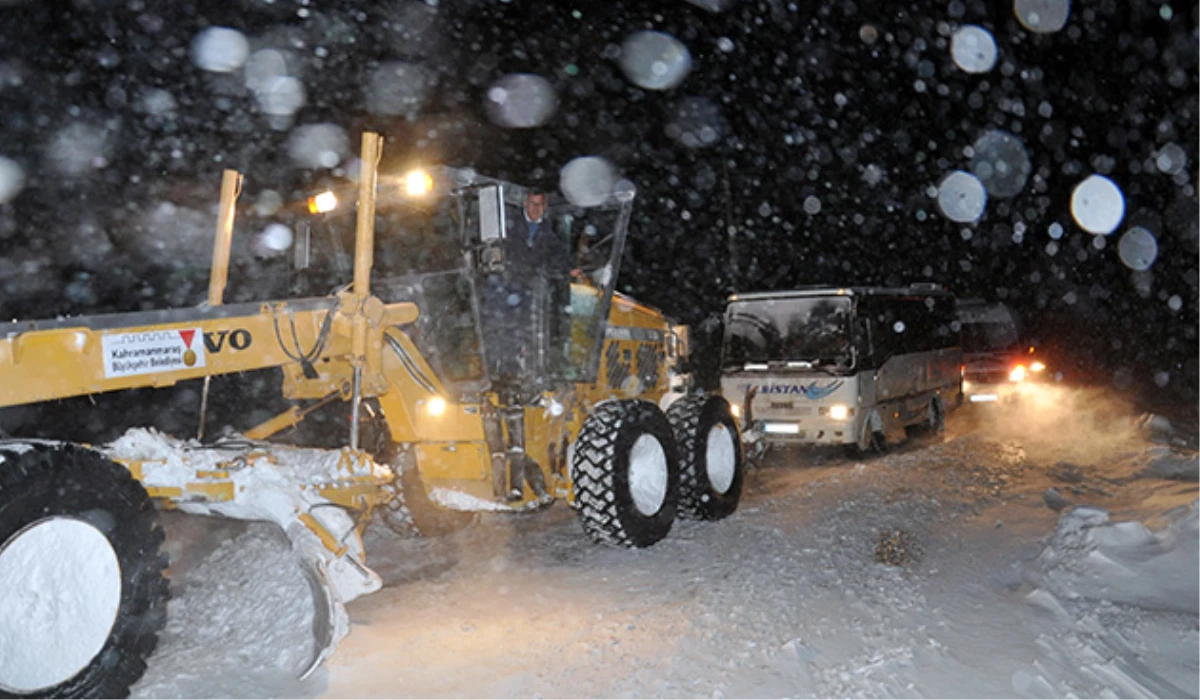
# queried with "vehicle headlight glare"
point(435, 406)
point(736, 410)
point(839, 412)
point(322, 203)
point(417, 183)
point(1017, 374)
point(1037, 367)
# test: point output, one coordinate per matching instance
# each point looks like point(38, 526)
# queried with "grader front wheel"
point(411, 512)
point(625, 468)
point(83, 594)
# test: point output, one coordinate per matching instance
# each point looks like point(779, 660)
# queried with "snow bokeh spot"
point(274, 239)
point(1171, 159)
point(961, 197)
point(1001, 163)
point(1138, 249)
point(1098, 205)
point(587, 181)
point(696, 122)
point(521, 101)
point(1042, 16)
point(262, 67)
point(318, 145)
point(398, 88)
point(281, 97)
point(220, 49)
point(655, 60)
point(12, 179)
point(973, 49)
point(79, 149)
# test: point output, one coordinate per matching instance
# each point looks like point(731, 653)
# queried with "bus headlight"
point(435, 406)
point(1017, 374)
point(839, 412)
point(736, 410)
point(1037, 367)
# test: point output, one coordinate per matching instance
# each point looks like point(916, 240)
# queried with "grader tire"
point(625, 468)
point(412, 513)
point(59, 506)
point(711, 464)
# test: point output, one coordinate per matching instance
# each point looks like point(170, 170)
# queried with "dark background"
point(802, 104)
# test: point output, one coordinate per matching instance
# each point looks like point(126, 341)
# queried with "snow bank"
point(1092, 558)
point(1123, 601)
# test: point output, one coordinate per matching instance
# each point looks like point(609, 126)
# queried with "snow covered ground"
point(1046, 552)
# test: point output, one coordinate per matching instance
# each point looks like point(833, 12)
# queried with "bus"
point(841, 365)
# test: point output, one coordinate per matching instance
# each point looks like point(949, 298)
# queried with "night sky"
point(805, 146)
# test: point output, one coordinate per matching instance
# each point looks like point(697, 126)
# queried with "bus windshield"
point(815, 331)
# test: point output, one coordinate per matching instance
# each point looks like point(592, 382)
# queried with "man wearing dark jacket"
point(532, 285)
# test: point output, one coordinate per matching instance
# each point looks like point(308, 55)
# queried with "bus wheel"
point(870, 435)
point(933, 423)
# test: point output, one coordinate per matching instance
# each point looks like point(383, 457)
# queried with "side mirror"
point(491, 213)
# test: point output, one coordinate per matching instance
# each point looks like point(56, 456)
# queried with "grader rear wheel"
point(84, 597)
point(711, 465)
point(625, 468)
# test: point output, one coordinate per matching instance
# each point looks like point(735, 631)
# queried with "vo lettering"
point(239, 339)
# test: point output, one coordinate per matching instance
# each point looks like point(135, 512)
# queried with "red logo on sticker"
point(187, 337)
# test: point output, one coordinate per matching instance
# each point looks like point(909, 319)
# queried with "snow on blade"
point(961, 197)
point(1098, 205)
point(973, 49)
point(521, 101)
point(243, 614)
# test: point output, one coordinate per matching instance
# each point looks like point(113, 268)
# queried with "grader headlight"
point(417, 183)
point(435, 406)
point(322, 203)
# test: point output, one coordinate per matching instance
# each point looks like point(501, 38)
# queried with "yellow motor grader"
point(469, 385)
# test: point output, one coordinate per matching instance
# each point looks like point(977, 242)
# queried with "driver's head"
point(535, 204)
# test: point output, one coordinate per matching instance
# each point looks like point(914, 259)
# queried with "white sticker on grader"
point(149, 352)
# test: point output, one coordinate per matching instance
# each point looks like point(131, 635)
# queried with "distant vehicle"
point(995, 361)
point(846, 365)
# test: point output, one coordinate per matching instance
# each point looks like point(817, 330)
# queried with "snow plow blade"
point(306, 492)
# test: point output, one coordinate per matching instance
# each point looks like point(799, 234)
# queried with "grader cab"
point(470, 385)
